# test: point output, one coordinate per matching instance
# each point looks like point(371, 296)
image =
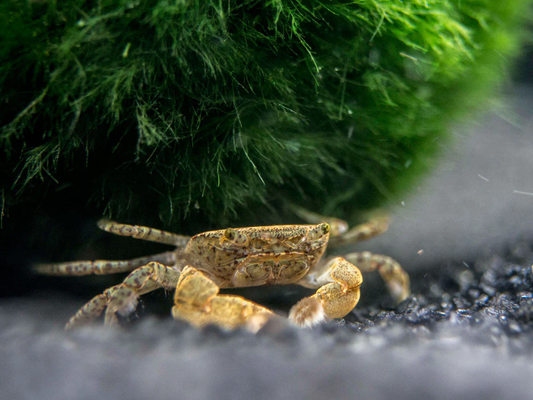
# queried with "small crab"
point(239, 257)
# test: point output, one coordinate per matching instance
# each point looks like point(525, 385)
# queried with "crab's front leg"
point(122, 298)
point(337, 295)
point(197, 301)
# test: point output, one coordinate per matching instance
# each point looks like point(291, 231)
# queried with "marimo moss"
point(229, 112)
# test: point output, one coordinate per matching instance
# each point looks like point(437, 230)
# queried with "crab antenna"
point(144, 233)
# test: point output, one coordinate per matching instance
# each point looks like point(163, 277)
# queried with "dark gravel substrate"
point(465, 333)
point(490, 299)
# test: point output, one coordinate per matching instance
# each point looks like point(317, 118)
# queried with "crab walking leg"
point(337, 226)
point(122, 298)
point(337, 296)
point(197, 301)
point(393, 274)
point(103, 267)
point(340, 234)
point(374, 227)
point(144, 233)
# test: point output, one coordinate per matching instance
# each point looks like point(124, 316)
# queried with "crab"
point(203, 264)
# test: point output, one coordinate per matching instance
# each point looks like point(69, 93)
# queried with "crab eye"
point(230, 234)
point(234, 237)
point(319, 231)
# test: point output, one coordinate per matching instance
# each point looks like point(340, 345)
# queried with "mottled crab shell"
point(239, 257)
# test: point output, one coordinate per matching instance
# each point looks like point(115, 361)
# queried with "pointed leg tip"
point(103, 223)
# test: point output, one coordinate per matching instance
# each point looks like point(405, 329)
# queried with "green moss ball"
point(230, 112)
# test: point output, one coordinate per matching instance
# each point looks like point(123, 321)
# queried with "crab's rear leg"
point(103, 267)
point(144, 233)
point(340, 233)
point(376, 226)
point(122, 298)
point(197, 301)
point(337, 295)
point(395, 277)
point(337, 226)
